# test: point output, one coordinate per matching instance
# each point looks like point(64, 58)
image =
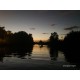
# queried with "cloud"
point(53, 24)
point(44, 33)
point(32, 28)
point(71, 28)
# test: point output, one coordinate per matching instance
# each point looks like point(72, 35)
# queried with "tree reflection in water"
point(53, 53)
point(73, 57)
point(19, 52)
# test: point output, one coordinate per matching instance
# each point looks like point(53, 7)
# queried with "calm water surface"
point(38, 57)
point(38, 53)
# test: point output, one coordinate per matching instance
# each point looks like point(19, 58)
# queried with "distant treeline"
point(71, 41)
point(20, 38)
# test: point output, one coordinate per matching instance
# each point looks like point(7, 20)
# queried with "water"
point(36, 57)
point(43, 53)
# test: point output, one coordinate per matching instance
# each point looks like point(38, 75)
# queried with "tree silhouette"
point(71, 47)
point(53, 53)
point(53, 40)
point(18, 38)
point(40, 42)
point(72, 40)
point(2, 32)
point(30, 38)
point(21, 38)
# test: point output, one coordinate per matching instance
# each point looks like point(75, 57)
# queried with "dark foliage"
point(41, 43)
point(53, 40)
point(71, 47)
point(21, 38)
point(72, 40)
point(3, 33)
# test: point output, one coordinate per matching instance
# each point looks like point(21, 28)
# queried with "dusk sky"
point(40, 23)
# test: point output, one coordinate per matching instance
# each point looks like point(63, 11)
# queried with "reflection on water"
point(40, 52)
point(34, 52)
point(53, 53)
point(18, 52)
point(32, 56)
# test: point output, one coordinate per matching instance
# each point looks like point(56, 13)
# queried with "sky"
point(41, 23)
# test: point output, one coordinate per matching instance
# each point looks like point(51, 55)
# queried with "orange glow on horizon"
point(46, 39)
point(36, 40)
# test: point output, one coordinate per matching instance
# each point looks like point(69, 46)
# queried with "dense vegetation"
point(71, 40)
point(19, 38)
